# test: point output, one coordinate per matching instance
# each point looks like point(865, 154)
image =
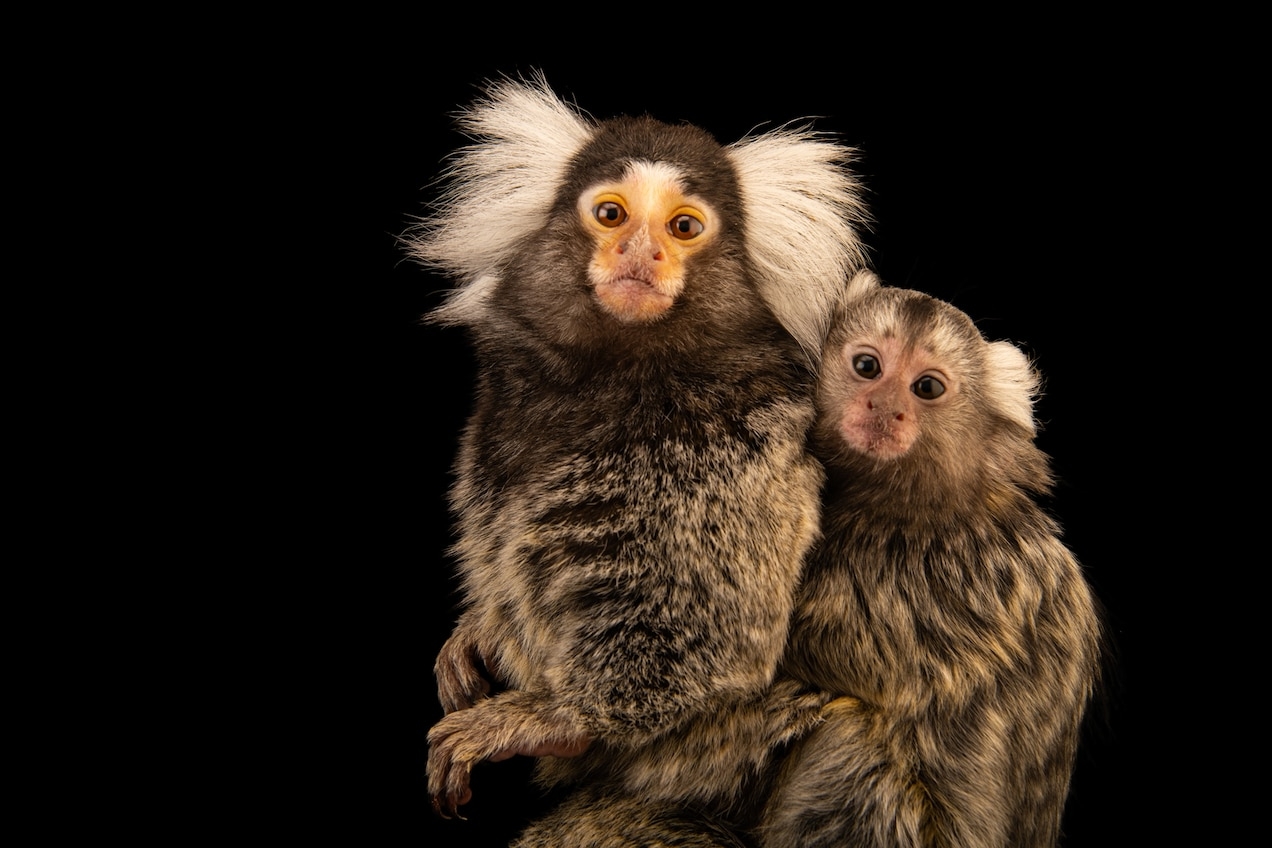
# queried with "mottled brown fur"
point(940, 604)
point(632, 495)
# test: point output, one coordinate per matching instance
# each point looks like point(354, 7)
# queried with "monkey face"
point(645, 227)
point(889, 388)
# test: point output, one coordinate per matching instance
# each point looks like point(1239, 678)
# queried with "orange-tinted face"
point(646, 227)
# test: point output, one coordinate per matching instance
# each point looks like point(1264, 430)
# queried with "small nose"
point(888, 402)
point(639, 241)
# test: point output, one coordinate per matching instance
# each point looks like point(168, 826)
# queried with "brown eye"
point(685, 227)
point(866, 366)
point(609, 214)
point(928, 388)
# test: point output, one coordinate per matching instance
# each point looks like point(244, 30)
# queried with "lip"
point(632, 282)
point(633, 298)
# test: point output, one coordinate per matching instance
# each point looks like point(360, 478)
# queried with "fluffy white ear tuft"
point(804, 207)
point(523, 135)
point(1014, 384)
point(861, 284)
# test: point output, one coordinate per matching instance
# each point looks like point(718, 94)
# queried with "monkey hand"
point(510, 724)
point(458, 670)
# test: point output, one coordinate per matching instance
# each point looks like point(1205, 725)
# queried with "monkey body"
point(940, 602)
point(583, 505)
point(632, 492)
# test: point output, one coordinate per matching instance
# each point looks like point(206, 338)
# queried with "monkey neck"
point(602, 403)
point(916, 497)
point(1001, 472)
point(604, 353)
point(719, 323)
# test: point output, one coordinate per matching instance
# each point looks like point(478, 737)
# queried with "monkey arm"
point(717, 757)
point(510, 724)
point(617, 668)
point(458, 668)
point(626, 588)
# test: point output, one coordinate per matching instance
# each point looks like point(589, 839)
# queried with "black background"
point(1022, 183)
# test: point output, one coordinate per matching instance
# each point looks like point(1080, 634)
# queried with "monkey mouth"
point(633, 280)
point(630, 298)
point(876, 436)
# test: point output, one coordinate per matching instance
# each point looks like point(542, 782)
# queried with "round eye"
point(609, 214)
point(928, 388)
point(866, 366)
point(685, 227)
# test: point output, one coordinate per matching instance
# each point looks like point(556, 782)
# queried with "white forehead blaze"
point(650, 192)
point(655, 184)
point(646, 228)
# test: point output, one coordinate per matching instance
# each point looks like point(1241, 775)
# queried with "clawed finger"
point(448, 782)
point(447, 806)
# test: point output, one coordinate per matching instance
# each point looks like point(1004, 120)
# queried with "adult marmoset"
point(633, 498)
point(940, 602)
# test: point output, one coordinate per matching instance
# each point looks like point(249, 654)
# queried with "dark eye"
point(928, 388)
point(867, 366)
point(685, 226)
point(609, 213)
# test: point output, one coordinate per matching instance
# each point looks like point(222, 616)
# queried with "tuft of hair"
point(1014, 385)
point(862, 283)
point(808, 211)
point(523, 137)
point(795, 183)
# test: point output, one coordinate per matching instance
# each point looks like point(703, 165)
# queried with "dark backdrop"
point(1011, 181)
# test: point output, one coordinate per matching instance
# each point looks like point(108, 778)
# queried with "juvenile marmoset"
point(632, 492)
point(940, 602)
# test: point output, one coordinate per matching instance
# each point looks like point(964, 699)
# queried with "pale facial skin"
point(889, 388)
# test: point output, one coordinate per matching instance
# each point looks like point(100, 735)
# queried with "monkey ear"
point(861, 284)
point(797, 184)
point(1013, 384)
point(522, 137)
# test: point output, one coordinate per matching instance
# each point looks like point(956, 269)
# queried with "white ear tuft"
point(861, 284)
point(803, 209)
point(523, 138)
point(1013, 383)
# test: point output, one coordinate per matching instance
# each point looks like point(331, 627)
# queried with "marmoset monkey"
point(633, 495)
point(940, 603)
